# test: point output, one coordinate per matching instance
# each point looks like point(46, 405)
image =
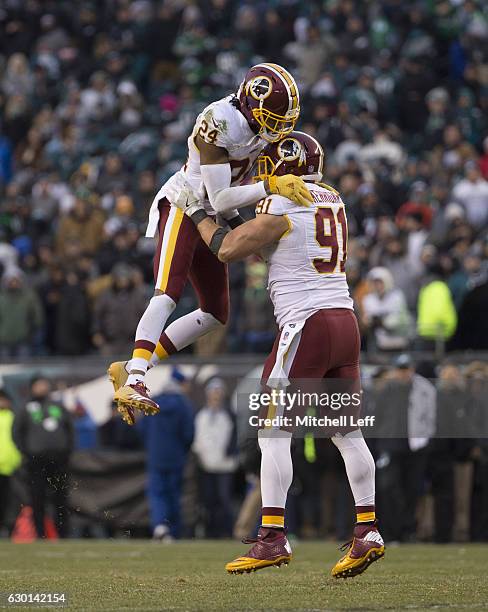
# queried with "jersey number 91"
point(331, 233)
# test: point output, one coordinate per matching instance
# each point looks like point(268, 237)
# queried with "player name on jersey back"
point(324, 195)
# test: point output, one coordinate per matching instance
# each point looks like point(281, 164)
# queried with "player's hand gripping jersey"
point(307, 266)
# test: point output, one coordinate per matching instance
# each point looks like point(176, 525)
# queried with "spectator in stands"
point(44, 206)
point(144, 193)
point(43, 432)
point(10, 457)
point(122, 216)
point(385, 315)
point(472, 329)
point(82, 225)
point(449, 452)
point(472, 193)
point(21, 316)
point(437, 102)
point(257, 312)
point(72, 332)
point(484, 160)
point(84, 428)
point(167, 437)
point(5, 160)
point(50, 291)
point(8, 253)
point(215, 448)
point(476, 374)
point(404, 429)
point(437, 317)
point(113, 333)
point(112, 175)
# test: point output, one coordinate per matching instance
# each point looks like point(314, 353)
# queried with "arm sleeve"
point(217, 179)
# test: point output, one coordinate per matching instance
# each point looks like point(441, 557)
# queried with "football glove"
point(188, 202)
point(291, 187)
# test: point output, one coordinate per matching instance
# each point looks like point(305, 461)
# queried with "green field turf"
point(137, 575)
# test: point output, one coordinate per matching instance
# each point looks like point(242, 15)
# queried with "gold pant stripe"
point(366, 517)
point(273, 521)
point(140, 353)
point(169, 245)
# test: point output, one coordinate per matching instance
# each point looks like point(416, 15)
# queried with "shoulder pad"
point(329, 188)
point(274, 205)
point(213, 124)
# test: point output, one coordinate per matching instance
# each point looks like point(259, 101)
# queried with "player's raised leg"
point(177, 336)
point(176, 246)
point(210, 280)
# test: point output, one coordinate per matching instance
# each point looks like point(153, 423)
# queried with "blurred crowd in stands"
point(197, 465)
point(96, 103)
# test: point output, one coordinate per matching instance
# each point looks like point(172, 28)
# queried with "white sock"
point(276, 467)
point(360, 466)
point(188, 328)
point(149, 329)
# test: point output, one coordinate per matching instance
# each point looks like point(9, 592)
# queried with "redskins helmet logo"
point(290, 150)
point(260, 88)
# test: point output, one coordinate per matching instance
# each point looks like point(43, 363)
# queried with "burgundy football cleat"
point(271, 547)
point(134, 397)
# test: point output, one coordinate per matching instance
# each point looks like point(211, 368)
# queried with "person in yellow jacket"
point(436, 313)
point(10, 457)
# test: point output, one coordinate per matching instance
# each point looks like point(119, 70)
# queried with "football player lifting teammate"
point(305, 249)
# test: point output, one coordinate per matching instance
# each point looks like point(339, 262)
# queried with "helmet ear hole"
point(298, 154)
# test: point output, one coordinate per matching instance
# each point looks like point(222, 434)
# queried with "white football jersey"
point(306, 268)
point(223, 125)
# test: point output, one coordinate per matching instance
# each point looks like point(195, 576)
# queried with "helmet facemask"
point(265, 168)
point(274, 127)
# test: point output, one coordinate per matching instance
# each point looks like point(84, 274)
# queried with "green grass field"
point(141, 575)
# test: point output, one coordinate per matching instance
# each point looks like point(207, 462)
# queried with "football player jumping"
point(227, 138)
point(318, 338)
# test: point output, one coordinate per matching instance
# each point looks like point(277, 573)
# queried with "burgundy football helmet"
point(269, 100)
point(298, 154)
